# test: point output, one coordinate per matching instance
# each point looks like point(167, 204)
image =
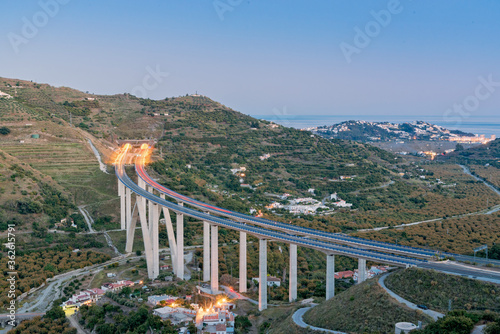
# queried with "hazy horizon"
point(368, 57)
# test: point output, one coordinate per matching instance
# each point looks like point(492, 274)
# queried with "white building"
point(271, 281)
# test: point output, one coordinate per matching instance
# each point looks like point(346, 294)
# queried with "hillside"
point(363, 308)
point(212, 152)
point(435, 289)
point(26, 194)
point(364, 131)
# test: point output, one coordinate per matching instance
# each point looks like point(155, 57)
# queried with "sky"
point(268, 58)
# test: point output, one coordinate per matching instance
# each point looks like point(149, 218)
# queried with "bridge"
point(150, 201)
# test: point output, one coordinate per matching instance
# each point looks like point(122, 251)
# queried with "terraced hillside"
point(72, 165)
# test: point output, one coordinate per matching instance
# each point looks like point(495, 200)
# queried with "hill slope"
point(363, 308)
point(435, 289)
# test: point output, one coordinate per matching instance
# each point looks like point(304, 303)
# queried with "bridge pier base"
point(206, 251)
point(262, 274)
point(214, 272)
point(243, 261)
point(292, 296)
point(362, 273)
point(330, 276)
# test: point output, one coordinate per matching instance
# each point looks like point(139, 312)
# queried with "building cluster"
point(377, 131)
point(482, 139)
point(307, 205)
point(84, 297)
point(372, 272)
point(299, 206)
point(117, 286)
point(65, 222)
point(216, 319)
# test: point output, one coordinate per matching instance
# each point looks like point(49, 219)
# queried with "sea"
point(481, 126)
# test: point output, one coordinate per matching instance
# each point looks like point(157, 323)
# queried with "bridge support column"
point(243, 262)
point(180, 245)
point(262, 274)
point(148, 249)
point(171, 237)
point(121, 193)
point(128, 207)
point(206, 251)
point(362, 274)
point(330, 276)
point(155, 217)
point(293, 273)
point(131, 224)
point(214, 272)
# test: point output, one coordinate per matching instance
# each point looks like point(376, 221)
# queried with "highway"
point(293, 229)
point(260, 232)
point(323, 246)
point(284, 227)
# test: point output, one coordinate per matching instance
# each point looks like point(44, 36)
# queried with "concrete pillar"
point(292, 296)
point(148, 250)
point(362, 274)
point(243, 261)
point(155, 239)
point(131, 230)
point(214, 272)
point(206, 251)
point(121, 193)
point(330, 276)
point(262, 274)
point(128, 207)
point(180, 245)
point(171, 238)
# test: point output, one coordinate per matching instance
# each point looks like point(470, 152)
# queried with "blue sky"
point(263, 57)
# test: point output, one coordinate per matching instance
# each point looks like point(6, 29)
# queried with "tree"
point(55, 312)
point(4, 130)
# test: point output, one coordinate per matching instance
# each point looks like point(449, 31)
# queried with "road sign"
point(480, 248)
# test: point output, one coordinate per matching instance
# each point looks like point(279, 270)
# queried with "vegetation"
point(435, 290)
point(35, 266)
point(53, 322)
point(459, 322)
point(363, 308)
point(110, 319)
point(4, 130)
point(457, 235)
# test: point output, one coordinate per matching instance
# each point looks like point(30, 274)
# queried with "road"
point(90, 221)
point(468, 172)
point(75, 324)
point(44, 298)
point(433, 314)
point(357, 246)
point(299, 321)
point(335, 238)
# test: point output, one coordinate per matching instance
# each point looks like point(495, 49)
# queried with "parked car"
point(423, 307)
